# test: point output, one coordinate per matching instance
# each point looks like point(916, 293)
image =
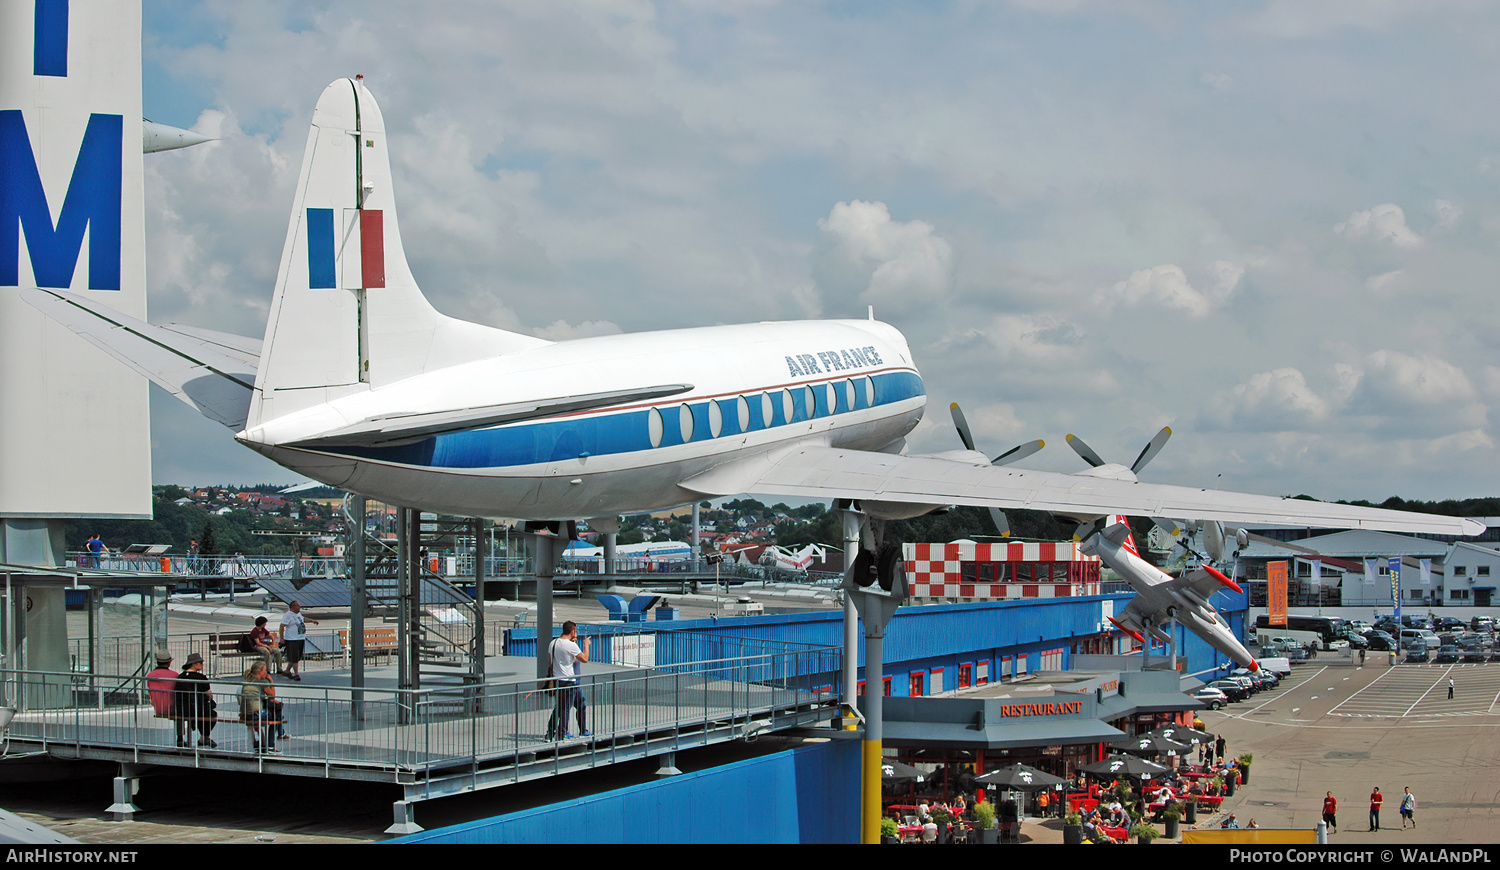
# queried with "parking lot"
point(1335, 725)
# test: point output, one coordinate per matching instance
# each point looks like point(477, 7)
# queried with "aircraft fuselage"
point(1157, 593)
point(756, 388)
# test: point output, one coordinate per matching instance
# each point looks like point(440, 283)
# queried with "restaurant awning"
point(1000, 735)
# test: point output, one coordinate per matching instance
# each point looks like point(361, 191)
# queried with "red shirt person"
point(1376, 799)
point(1331, 812)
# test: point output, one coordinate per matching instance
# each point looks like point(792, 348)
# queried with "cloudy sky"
point(1269, 225)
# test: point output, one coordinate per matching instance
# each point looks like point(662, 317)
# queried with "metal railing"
point(241, 567)
point(427, 730)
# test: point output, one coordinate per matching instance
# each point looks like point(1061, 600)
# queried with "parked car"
point(1448, 623)
point(1211, 697)
point(1448, 653)
point(1416, 651)
point(1295, 654)
point(1356, 641)
point(1231, 688)
point(1262, 679)
point(1278, 665)
point(1278, 644)
point(1482, 623)
point(1380, 641)
point(1474, 647)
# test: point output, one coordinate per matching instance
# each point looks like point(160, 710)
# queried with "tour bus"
point(1327, 632)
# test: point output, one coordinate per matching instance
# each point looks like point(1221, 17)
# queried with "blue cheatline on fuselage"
point(629, 431)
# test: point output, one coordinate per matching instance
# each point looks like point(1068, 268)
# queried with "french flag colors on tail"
point(353, 257)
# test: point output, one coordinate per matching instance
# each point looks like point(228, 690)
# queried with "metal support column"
point(877, 606)
point(405, 818)
point(853, 521)
point(474, 703)
point(125, 786)
point(359, 603)
point(546, 551)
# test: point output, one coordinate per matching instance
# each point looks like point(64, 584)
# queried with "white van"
point(1425, 634)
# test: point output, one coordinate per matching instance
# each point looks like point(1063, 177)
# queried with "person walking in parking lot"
point(1450, 688)
point(1408, 809)
point(1331, 812)
point(1376, 799)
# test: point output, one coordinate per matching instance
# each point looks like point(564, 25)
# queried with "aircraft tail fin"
point(347, 315)
point(1128, 542)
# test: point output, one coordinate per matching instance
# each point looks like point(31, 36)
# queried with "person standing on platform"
point(1376, 799)
point(294, 638)
point(566, 656)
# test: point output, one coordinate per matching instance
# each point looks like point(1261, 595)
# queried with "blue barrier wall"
point(919, 639)
point(806, 795)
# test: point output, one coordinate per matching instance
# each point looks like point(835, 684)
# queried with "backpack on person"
point(549, 684)
point(247, 643)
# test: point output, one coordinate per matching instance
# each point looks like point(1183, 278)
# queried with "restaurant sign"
point(1051, 708)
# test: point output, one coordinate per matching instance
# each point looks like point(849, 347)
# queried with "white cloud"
point(1446, 215)
point(1383, 223)
point(1168, 285)
point(561, 330)
point(1218, 81)
point(1386, 282)
point(1413, 381)
point(1277, 400)
point(907, 264)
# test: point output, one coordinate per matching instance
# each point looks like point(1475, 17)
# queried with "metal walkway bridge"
point(423, 741)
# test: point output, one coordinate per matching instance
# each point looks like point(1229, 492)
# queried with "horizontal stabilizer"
point(1117, 533)
point(388, 430)
point(198, 371)
point(241, 347)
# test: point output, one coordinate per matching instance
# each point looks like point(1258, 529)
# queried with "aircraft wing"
point(197, 368)
point(1201, 582)
point(821, 472)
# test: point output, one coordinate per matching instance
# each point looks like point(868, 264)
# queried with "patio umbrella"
point(1019, 777)
point(1152, 745)
point(1183, 734)
point(1124, 765)
point(892, 770)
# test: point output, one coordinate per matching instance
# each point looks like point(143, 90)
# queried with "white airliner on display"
point(360, 384)
point(1161, 597)
point(788, 561)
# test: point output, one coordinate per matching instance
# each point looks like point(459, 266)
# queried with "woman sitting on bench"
point(260, 711)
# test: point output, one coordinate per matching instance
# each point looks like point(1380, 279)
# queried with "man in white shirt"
point(293, 633)
point(1408, 808)
point(566, 655)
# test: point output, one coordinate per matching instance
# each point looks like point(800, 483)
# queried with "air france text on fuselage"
point(804, 364)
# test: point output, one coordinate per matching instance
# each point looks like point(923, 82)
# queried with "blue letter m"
point(92, 202)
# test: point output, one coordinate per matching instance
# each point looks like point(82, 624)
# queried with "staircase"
point(440, 628)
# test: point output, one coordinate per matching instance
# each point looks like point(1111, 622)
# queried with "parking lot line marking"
point(1428, 692)
point(1367, 686)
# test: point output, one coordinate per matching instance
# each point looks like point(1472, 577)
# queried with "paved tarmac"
point(1337, 726)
